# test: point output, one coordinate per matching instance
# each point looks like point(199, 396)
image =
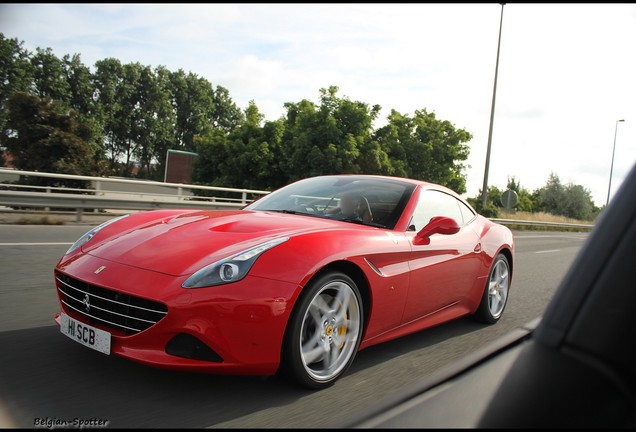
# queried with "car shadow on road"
point(47, 376)
point(421, 340)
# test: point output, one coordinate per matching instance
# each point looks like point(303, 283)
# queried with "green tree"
point(225, 115)
point(571, 200)
point(107, 80)
point(82, 89)
point(394, 140)
point(577, 203)
point(192, 102)
point(248, 157)
point(373, 159)
point(425, 148)
point(78, 77)
point(493, 202)
point(46, 136)
point(152, 131)
point(49, 76)
point(163, 126)
point(254, 152)
point(128, 122)
point(552, 195)
point(326, 138)
point(212, 153)
point(144, 113)
point(137, 116)
point(16, 75)
point(274, 176)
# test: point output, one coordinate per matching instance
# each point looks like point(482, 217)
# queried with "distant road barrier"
point(115, 193)
point(541, 224)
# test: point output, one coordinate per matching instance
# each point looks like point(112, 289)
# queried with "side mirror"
point(437, 225)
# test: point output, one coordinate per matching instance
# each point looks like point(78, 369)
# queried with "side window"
point(467, 213)
point(434, 203)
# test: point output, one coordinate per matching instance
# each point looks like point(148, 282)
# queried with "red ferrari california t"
point(295, 283)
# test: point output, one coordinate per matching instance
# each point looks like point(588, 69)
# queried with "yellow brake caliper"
point(342, 331)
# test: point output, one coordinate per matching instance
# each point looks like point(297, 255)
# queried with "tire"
point(324, 332)
point(495, 297)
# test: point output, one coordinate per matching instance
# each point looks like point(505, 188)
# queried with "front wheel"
point(495, 297)
point(324, 332)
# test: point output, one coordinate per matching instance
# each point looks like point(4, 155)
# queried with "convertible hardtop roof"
point(403, 179)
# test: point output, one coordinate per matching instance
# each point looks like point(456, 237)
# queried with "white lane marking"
point(35, 244)
point(549, 251)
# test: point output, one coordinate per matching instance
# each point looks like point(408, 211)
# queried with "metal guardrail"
point(100, 198)
point(62, 200)
point(541, 224)
point(98, 181)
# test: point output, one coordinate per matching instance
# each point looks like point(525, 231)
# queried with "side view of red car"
point(294, 283)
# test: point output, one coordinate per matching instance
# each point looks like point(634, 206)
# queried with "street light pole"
point(484, 191)
point(609, 188)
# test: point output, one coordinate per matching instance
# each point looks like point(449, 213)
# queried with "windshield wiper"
point(294, 212)
point(287, 211)
point(359, 221)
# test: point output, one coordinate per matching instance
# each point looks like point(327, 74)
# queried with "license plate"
point(87, 335)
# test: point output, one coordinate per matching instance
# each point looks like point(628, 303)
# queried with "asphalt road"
point(46, 377)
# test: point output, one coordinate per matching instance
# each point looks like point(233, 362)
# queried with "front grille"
point(123, 312)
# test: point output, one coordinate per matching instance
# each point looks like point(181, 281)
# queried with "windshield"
point(357, 199)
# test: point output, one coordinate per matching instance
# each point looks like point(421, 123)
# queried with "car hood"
point(182, 244)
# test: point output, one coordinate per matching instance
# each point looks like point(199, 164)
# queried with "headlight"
point(89, 235)
point(230, 269)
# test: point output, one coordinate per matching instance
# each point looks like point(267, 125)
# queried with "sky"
point(567, 72)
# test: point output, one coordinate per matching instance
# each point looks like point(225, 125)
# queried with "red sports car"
point(296, 282)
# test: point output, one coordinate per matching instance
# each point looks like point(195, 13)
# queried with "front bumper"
point(243, 323)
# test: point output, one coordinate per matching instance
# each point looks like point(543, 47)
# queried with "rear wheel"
point(495, 297)
point(324, 332)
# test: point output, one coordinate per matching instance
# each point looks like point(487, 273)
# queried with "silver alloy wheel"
point(330, 330)
point(498, 288)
